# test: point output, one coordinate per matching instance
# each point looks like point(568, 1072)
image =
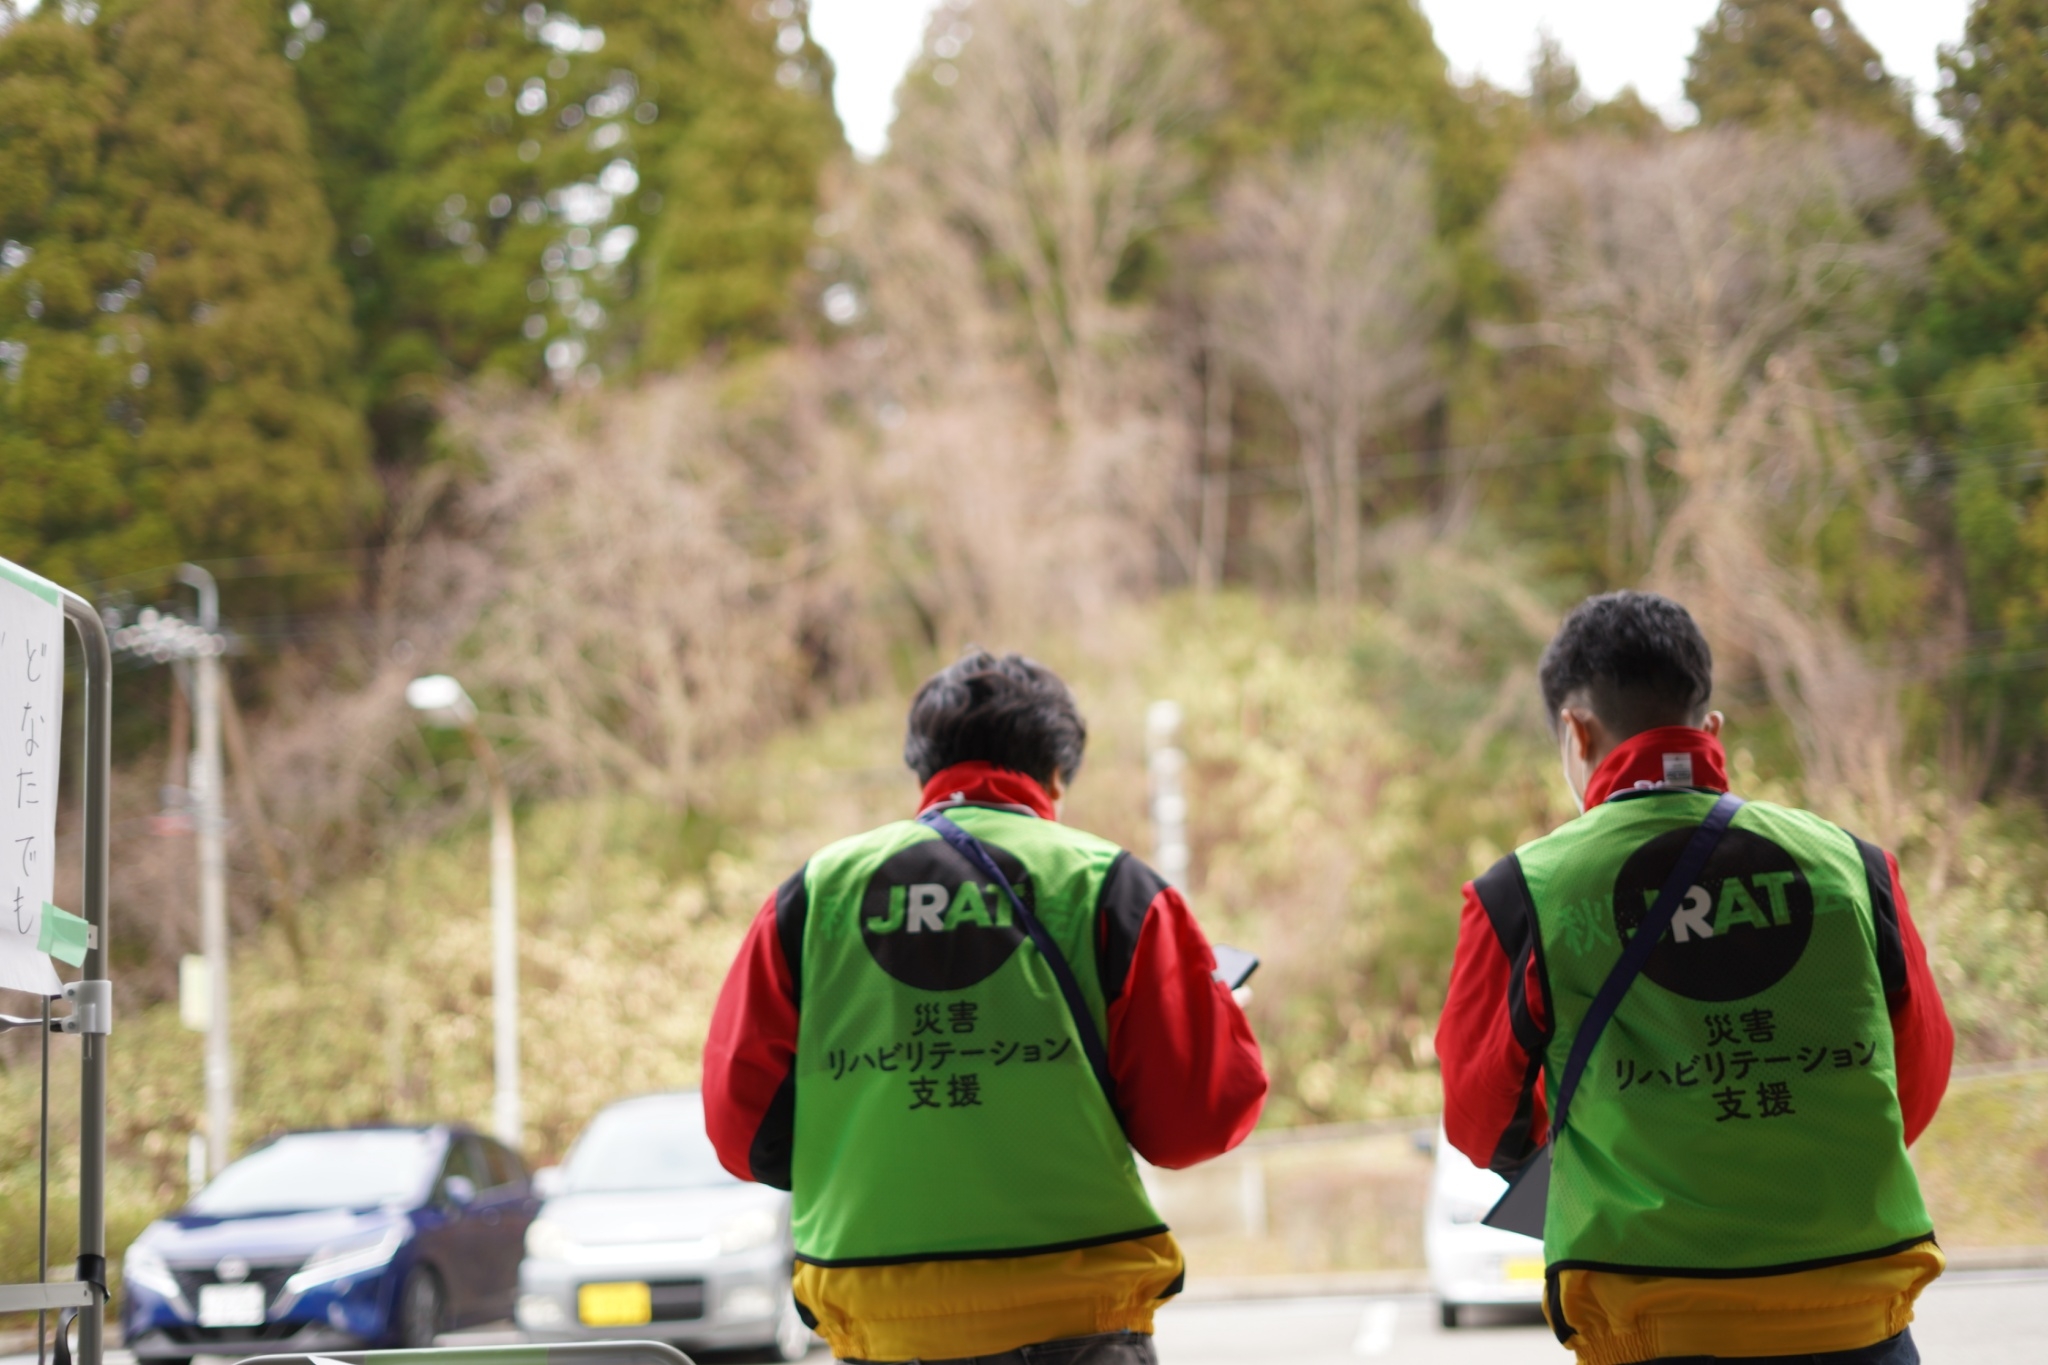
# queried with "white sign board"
point(31, 698)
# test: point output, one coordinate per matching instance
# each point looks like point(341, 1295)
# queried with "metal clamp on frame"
point(92, 1007)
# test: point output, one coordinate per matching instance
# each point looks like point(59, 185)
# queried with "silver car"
point(643, 1234)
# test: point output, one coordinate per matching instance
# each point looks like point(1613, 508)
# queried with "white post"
point(1169, 805)
point(506, 1119)
point(441, 701)
point(213, 886)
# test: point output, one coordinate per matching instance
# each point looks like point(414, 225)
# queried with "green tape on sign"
point(21, 578)
point(65, 936)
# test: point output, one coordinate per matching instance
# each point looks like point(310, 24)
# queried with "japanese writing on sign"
point(1747, 1070)
point(31, 693)
point(946, 1060)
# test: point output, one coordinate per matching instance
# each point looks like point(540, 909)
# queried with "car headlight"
point(349, 1256)
point(144, 1268)
point(547, 1240)
point(755, 1228)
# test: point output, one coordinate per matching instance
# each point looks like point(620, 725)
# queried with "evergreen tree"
point(1995, 89)
point(1761, 61)
point(179, 346)
point(1301, 68)
point(1984, 353)
point(620, 185)
point(1558, 101)
point(68, 460)
point(733, 168)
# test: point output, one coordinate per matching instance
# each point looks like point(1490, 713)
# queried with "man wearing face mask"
point(1731, 1180)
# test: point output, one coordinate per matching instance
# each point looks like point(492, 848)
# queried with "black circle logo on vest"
point(932, 920)
point(1742, 925)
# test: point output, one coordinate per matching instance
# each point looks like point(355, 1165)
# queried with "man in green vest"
point(1731, 1180)
point(945, 1037)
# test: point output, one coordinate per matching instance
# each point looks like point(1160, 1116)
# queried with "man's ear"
point(1713, 723)
point(1575, 727)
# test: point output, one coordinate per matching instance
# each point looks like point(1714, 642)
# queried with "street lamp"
point(442, 703)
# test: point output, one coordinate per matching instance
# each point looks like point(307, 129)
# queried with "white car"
point(644, 1235)
point(1469, 1262)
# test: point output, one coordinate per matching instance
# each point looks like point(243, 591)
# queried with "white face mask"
point(1575, 774)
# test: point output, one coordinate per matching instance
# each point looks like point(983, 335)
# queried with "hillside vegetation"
point(1347, 772)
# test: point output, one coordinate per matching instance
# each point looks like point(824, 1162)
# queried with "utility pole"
point(442, 702)
point(213, 874)
point(156, 638)
point(1166, 763)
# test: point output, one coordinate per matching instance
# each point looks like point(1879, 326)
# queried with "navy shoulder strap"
point(1691, 863)
point(1522, 1208)
point(971, 849)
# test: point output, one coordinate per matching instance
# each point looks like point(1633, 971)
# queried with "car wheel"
point(421, 1307)
point(1448, 1312)
point(792, 1333)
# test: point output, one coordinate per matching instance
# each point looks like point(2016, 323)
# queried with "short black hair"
point(1637, 659)
point(1011, 712)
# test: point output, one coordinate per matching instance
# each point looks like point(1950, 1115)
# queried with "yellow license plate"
point(614, 1305)
point(1522, 1268)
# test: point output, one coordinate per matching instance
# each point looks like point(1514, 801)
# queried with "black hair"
point(1637, 659)
point(1011, 712)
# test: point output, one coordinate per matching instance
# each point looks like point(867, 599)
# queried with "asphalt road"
point(1966, 1318)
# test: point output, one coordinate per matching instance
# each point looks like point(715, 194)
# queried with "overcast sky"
point(1614, 42)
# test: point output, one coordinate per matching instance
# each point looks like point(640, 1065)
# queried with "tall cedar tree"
point(1988, 331)
point(1762, 61)
point(179, 342)
point(1299, 69)
point(611, 187)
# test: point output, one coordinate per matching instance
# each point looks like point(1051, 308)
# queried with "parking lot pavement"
point(1967, 1318)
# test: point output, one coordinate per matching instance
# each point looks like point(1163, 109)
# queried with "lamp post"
point(441, 702)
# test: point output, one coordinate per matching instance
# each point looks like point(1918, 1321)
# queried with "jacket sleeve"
point(1923, 1041)
point(1490, 1039)
point(1188, 1073)
point(750, 1055)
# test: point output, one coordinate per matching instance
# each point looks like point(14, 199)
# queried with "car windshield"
point(653, 1144)
point(348, 1170)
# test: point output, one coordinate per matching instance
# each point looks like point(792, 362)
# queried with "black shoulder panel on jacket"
point(770, 1155)
point(1505, 897)
point(792, 905)
point(1884, 913)
point(1127, 895)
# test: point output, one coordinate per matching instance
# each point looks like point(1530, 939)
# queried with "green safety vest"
point(944, 1105)
point(1741, 1113)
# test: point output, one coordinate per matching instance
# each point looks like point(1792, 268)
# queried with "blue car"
point(333, 1240)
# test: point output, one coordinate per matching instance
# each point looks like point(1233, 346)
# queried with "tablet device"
point(1234, 966)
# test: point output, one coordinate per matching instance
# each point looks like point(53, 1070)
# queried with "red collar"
point(987, 785)
point(1674, 755)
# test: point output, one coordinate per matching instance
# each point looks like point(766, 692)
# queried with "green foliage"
point(1978, 358)
point(1995, 275)
point(1301, 68)
point(522, 192)
point(1767, 61)
point(179, 346)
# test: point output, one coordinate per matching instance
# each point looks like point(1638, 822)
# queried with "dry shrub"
point(1720, 279)
point(1330, 294)
point(668, 590)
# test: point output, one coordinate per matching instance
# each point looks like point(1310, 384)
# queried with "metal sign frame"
point(91, 1018)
